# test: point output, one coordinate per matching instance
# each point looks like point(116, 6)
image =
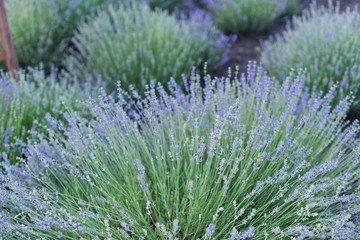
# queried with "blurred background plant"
point(41, 29)
point(134, 44)
point(326, 43)
point(36, 31)
point(74, 12)
point(169, 5)
point(235, 16)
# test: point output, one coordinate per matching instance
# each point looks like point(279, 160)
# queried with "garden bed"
point(247, 46)
point(267, 154)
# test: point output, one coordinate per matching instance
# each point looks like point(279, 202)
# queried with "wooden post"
point(8, 54)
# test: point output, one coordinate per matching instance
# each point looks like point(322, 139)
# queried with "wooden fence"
point(8, 53)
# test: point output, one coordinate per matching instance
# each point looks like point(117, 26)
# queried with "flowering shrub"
point(25, 102)
point(231, 160)
point(249, 15)
point(36, 32)
point(326, 43)
point(135, 45)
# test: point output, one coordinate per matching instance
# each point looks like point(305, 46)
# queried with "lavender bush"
point(134, 44)
point(25, 102)
point(36, 31)
point(237, 159)
point(326, 43)
point(249, 15)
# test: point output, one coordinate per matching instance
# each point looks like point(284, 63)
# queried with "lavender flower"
point(210, 230)
point(141, 177)
point(190, 189)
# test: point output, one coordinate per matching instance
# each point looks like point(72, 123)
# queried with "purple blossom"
point(211, 229)
point(141, 177)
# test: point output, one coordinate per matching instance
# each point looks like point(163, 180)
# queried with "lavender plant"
point(25, 102)
point(249, 15)
point(326, 43)
point(134, 44)
point(36, 31)
point(240, 159)
point(73, 12)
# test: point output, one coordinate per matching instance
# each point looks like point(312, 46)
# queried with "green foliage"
point(41, 29)
point(134, 44)
point(237, 159)
point(73, 12)
point(168, 4)
point(36, 31)
point(293, 6)
point(250, 15)
point(326, 43)
point(25, 102)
